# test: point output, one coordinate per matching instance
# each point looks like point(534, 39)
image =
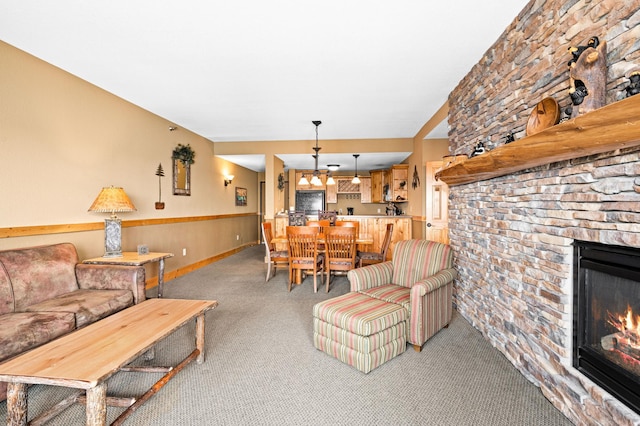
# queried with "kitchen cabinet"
point(365, 189)
point(332, 193)
point(399, 183)
point(377, 186)
point(346, 187)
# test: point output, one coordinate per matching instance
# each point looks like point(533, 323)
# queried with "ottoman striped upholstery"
point(359, 330)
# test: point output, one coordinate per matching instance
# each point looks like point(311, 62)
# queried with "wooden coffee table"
point(86, 358)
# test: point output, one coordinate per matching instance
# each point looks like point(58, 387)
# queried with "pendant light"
point(332, 168)
point(356, 179)
point(303, 180)
point(330, 180)
point(315, 179)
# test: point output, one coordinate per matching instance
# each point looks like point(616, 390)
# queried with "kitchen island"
point(371, 226)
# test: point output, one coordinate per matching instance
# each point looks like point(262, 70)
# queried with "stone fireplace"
point(513, 235)
point(606, 306)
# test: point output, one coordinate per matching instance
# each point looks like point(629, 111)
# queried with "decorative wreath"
point(184, 153)
point(281, 181)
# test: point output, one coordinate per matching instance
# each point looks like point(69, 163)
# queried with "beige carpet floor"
point(261, 367)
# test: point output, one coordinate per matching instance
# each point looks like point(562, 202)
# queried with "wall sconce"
point(228, 179)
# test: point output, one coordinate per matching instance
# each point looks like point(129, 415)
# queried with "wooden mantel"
point(611, 127)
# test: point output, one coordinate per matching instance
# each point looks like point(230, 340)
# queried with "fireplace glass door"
point(607, 318)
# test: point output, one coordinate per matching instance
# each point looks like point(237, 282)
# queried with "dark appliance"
point(606, 331)
point(311, 202)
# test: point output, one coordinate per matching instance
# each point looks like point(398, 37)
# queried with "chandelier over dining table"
point(315, 178)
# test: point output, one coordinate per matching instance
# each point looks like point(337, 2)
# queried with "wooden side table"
point(132, 258)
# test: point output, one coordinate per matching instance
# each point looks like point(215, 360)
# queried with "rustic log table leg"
point(160, 277)
point(97, 405)
point(200, 337)
point(16, 404)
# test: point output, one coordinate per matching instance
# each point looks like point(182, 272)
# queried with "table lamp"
point(112, 200)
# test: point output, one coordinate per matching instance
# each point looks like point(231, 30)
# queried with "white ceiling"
point(261, 70)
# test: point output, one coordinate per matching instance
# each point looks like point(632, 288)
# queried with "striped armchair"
point(420, 278)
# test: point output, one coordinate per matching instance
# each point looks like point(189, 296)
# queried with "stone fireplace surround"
point(512, 235)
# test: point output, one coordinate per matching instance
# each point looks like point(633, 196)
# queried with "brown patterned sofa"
point(45, 292)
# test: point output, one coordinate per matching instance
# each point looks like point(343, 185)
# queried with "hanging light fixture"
point(332, 168)
point(356, 179)
point(315, 179)
point(330, 180)
point(303, 180)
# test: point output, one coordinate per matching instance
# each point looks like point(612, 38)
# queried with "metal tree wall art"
point(160, 174)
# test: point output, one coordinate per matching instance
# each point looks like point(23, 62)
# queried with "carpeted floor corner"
point(261, 367)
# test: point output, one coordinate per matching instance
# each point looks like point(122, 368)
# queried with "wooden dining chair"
point(297, 218)
point(340, 251)
point(321, 223)
point(351, 223)
point(330, 215)
point(371, 257)
point(274, 258)
point(303, 253)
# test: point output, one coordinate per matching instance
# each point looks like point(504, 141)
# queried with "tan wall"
point(63, 139)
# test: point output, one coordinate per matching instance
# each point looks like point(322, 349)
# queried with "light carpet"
point(261, 367)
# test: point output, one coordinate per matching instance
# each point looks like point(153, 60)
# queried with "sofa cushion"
point(6, 292)
point(87, 305)
point(391, 293)
point(359, 314)
point(40, 273)
point(26, 330)
point(363, 344)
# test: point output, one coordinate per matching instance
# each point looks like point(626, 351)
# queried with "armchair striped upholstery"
point(419, 278)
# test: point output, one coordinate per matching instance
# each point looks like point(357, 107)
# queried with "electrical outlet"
point(237, 237)
point(184, 251)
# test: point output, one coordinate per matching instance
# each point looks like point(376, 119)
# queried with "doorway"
point(437, 208)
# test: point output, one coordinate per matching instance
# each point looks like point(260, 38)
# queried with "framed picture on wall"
point(241, 196)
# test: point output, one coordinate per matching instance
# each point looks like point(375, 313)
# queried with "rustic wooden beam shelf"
point(611, 127)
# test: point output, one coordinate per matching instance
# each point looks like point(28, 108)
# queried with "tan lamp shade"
point(111, 200)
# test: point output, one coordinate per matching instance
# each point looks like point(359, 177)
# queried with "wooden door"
point(437, 199)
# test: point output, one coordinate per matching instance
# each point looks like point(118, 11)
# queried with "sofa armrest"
point(433, 282)
point(431, 306)
point(112, 277)
point(370, 276)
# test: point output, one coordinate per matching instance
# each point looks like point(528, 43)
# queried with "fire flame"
point(628, 325)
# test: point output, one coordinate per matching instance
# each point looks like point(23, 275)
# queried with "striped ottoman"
point(359, 330)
